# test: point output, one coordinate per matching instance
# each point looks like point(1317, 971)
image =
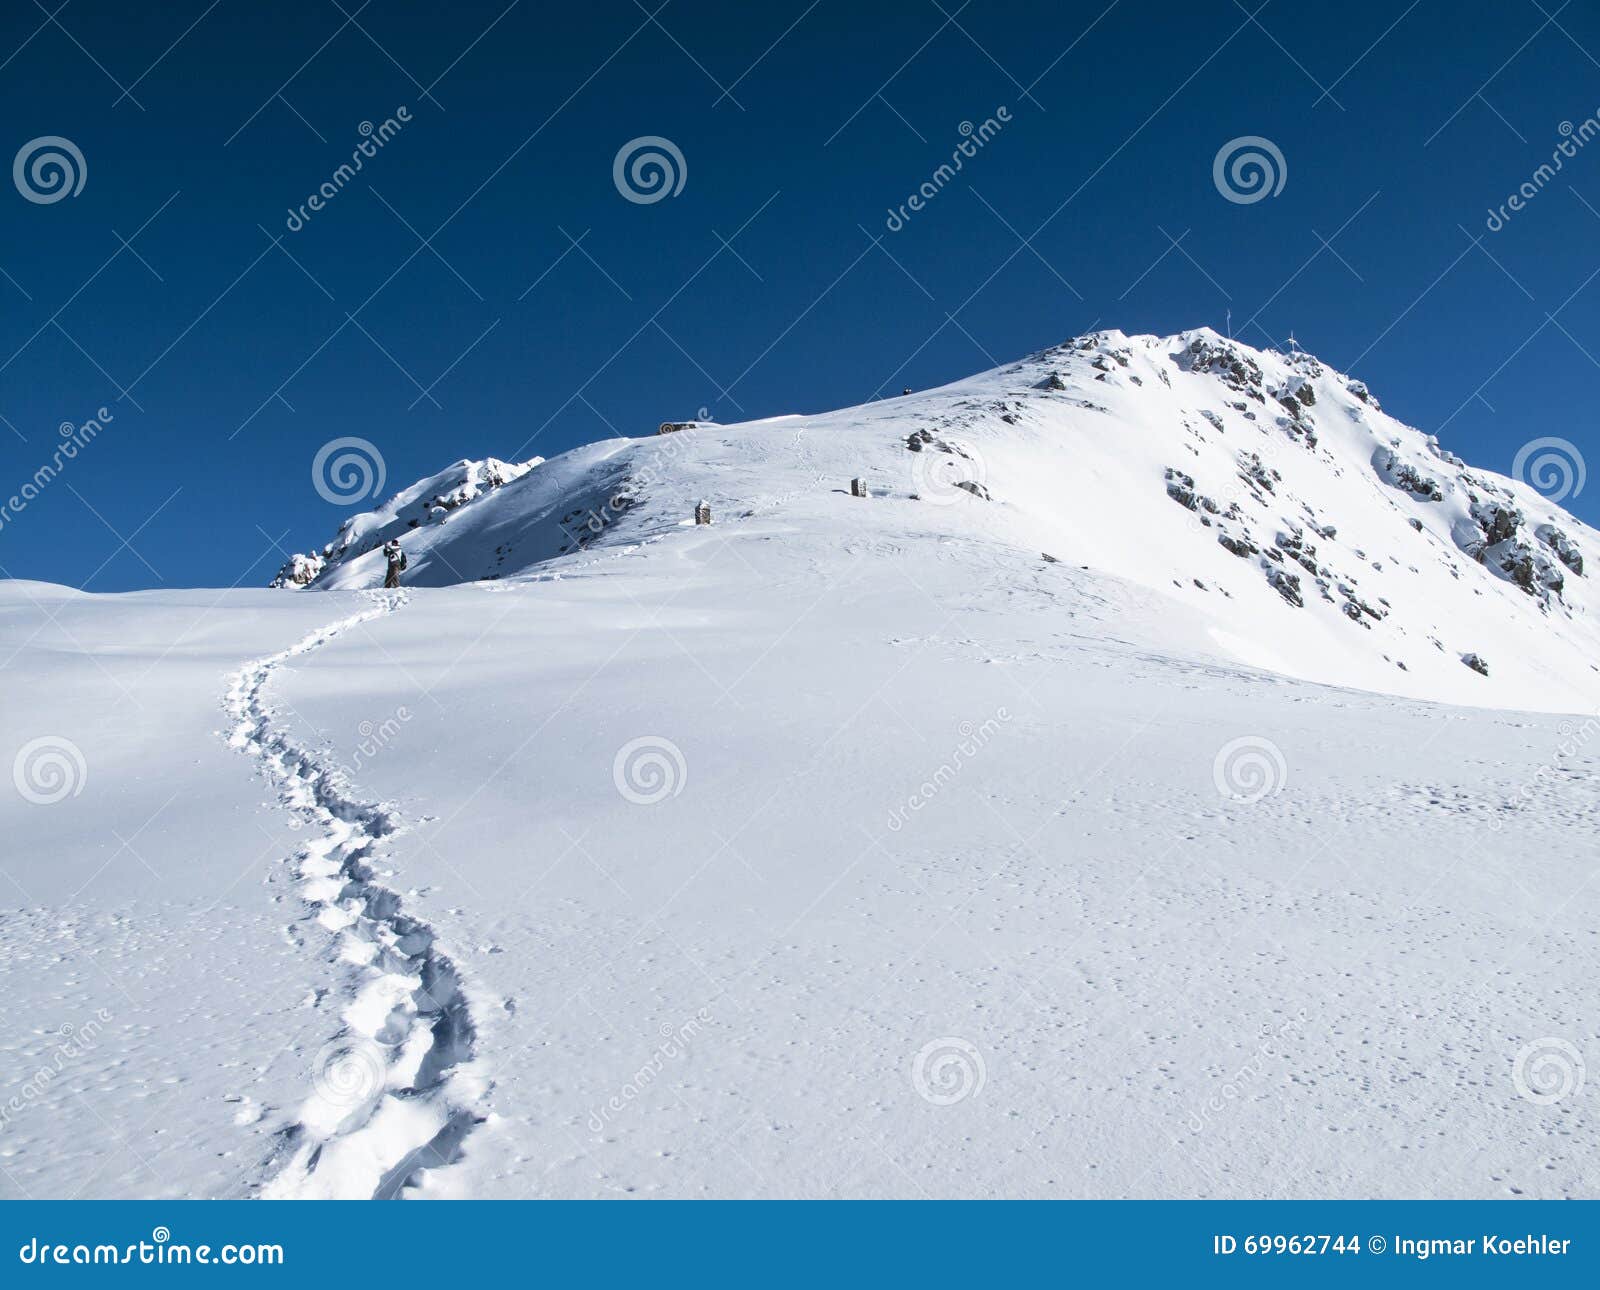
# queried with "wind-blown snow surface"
point(845, 847)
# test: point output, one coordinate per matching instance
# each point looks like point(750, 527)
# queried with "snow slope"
point(1313, 534)
point(843, 847)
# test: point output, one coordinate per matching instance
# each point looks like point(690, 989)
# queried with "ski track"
point(394, 1093)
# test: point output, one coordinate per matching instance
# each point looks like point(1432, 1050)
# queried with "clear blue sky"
point(227, 362)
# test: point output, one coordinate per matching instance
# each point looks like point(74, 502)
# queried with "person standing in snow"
point(397, 561)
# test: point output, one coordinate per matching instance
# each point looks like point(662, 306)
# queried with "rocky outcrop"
point(1564, 547)
point(429, 501)
point(299, 571)
point(1218, 358)
point(1403, 475)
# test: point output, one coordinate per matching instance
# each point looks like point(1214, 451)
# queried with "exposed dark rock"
point(1180, 488)
point(1566, 550)
point(1222, 360)
point(1286, 585)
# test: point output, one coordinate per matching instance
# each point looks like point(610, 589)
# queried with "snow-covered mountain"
point(973, 837)
point(428, 501)
point(1309, 532)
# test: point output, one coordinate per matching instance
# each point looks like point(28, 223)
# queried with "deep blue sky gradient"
point(227, 363)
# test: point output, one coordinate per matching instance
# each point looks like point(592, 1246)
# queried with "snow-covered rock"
point(1292, 487)
point(428, 501)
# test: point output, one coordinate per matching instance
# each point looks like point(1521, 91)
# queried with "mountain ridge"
point(1240, 481)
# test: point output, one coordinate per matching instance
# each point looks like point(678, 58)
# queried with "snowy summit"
point(1237, 482)
point(1146, 769)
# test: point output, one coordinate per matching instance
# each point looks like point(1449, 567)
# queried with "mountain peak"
point(1265, 493)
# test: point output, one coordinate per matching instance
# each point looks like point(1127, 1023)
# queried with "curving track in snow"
point(393, 1093)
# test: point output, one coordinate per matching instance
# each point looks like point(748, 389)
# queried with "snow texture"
point(1174, 777)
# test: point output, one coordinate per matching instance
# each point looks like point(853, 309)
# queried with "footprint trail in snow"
point(394, 1093)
